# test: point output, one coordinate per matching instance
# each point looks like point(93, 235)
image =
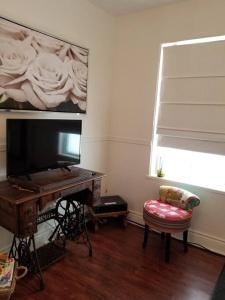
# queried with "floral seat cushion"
point(166, 211)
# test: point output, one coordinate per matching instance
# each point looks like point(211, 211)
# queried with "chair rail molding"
point(126, 140)
point(94, 139)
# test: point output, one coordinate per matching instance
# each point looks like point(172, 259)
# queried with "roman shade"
point(192, 98)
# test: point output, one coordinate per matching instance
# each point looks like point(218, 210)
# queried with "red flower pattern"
point(166, 211)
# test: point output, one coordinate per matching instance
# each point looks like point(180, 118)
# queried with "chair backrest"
point(178, 197)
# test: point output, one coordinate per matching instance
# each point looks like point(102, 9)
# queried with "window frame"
point(154, 140)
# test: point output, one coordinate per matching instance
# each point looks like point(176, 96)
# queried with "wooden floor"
point(120, 269)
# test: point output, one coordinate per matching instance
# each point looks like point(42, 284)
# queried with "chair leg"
point(145, 235)
point(167, 252)
point(162, 235)
point(185, 240)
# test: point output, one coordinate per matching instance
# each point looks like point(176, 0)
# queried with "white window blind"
point(192, 98)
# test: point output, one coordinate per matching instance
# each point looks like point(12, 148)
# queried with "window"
point(69, 144)
point(189, 122)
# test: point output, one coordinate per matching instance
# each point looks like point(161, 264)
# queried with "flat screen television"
point(38, 145)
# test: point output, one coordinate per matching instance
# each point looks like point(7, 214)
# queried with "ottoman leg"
point(185, 240)
point(145, 235)
point(167, 252)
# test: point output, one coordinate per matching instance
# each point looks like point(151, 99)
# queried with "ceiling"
point(123, 7)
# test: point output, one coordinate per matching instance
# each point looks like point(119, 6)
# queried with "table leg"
point(24, 255)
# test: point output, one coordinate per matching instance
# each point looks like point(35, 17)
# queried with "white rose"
point(78, 72)
point(11, 30)
point(46, 83)
point(15, 57)
point(43, 44)
point(78, 54)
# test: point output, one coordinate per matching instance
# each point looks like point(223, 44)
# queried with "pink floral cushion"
point(166, 211)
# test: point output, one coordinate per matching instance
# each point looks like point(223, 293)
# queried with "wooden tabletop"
point(42, 183)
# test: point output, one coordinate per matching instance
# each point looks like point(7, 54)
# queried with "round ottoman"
point(172, 213)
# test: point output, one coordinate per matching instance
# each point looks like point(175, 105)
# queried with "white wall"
point(130, 110)
point(81, 23)
point(135, 77)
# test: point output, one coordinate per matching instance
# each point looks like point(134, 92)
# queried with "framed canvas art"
point(39, 72)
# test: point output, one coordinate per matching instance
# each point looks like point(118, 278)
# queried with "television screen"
point(38, 145)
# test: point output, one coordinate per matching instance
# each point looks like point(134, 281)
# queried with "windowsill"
point(163, 179)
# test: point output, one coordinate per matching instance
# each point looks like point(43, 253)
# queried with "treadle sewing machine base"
point(19, 206)
point(50, 254)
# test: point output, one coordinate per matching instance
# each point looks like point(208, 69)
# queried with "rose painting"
point(39, 72)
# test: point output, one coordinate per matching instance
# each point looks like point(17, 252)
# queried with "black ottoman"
point(108, 207)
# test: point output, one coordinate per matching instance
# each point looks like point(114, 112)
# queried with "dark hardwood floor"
point(120, 269)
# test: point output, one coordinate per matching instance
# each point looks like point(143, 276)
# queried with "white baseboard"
point(210, 242)
point(136, 217)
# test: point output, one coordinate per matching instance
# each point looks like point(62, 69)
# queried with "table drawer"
point(76, 189)
point(7, 206)
point(27, 226)
point(28, 209)
point(44, 200)
point(9, 221)
point(27, 221)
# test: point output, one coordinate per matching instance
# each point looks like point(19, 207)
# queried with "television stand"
point(65, 168)
point(21, 200)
